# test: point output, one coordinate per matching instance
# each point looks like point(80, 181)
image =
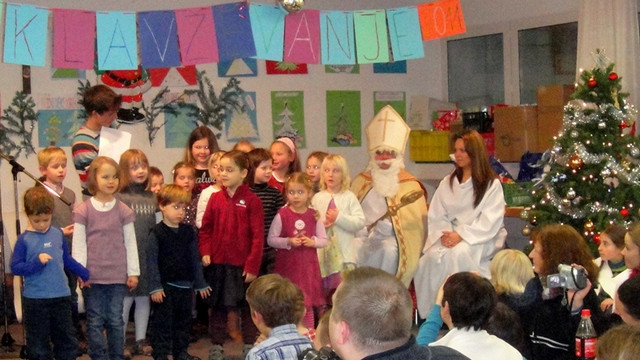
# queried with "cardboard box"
point(516, 131)
point(549, 124)
point(554, 95)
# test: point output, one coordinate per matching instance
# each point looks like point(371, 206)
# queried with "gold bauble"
point(575, 162)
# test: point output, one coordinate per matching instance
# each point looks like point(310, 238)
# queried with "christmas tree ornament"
point(605, 172)
point(592, 83)
point(596, 238)
point(565, 203)
point(524, 215)
point(613, 76)
point(623, 125)
point(526, 230)
point(292, 6)
point(624, 212)
point(589, 225)
point(575, 162)
point(634, 152)
point(574, 133)
point(533, 220)
point(602, 125)
point(571, 194)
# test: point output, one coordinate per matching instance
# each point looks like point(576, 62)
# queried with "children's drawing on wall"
point(243, 124)
point(57, 126)
point(396, 67)
point(287, 114)
point(181, 76)
point(343, 118)
point(342, 69)
point(178, 127)
point(285, 68)
point(67, 73)
point(396, 99)
point(244, 67)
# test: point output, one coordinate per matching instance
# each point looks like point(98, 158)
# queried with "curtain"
point(611, 25)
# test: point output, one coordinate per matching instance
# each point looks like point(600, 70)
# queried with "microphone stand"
point(7, 340)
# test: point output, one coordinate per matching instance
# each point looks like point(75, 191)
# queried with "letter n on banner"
point(337, 38)
point(441, 19)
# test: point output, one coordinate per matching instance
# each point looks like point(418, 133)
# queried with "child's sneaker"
point(217, 353)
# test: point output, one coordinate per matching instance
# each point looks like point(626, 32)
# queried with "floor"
point(199, 348)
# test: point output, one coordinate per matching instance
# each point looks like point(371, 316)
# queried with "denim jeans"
point(49, 321)
point(103, 304)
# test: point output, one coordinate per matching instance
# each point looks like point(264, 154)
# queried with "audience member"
point(619, 343)
point(273, 301)
point(371, 319)
point(628, 301)
point(467, 302)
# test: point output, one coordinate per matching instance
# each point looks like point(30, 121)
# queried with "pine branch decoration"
point(17, 124)
point(82, 87)
point(215, 108)
point(158, 105)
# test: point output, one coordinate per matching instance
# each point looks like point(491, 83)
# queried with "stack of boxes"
point(519, 129)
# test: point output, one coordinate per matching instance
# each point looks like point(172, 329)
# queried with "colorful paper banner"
point(117, 41)
point(74, 39)
point(302, 37)
point(158, 32)
point(267, 23)
point(404, 33)
point(440, 19)
point(337, 38)
point(25, 34)
point(233, 29)
point(197, 36)
point(372, 43)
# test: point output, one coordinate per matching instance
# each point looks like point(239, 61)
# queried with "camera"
point(568, 277)
point(325, 353)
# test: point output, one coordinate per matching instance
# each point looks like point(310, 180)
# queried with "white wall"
point(425, 76)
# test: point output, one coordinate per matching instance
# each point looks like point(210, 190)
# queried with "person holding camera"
point(565, 274)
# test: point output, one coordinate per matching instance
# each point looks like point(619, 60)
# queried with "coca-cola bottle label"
point(589, 346)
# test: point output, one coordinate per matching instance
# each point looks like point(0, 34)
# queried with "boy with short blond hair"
point(41, 256)
point(52, 162)
point(175, 271)
point(274, 301)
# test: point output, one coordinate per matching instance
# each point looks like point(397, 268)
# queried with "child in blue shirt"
point(41, 256)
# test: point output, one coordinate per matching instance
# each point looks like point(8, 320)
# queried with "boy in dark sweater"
point(174, 272)
point(41, 256)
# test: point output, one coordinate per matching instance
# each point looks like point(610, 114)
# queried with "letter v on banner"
point(158, 39)
point(267, 23)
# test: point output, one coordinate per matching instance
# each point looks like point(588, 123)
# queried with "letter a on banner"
point(117, 41)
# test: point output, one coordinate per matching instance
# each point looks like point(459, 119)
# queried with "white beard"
point(386, 182)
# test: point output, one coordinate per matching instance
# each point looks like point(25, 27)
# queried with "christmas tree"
point(592, 175)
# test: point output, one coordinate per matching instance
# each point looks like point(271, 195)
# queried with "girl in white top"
point(342, 215)
point(465, 221)
point(214, 162)
point(611, 263)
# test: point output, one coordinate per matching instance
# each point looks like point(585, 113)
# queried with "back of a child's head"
point(510, 271)
point(322, 331)
point(183, 165)
point(299, 178)
point(129, 158)
point(96, 165)
point(171, 193)
point(37, 201)
point(276, 298)
point(256, 157)
point(48, 154)
point(243, 145)
point(340, 162)
point(100, 98)
point(199, 133)
point(290, 147)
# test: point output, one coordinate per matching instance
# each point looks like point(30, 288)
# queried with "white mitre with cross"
point(387, 131)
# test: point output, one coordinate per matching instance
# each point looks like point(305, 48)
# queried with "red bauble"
point(592, 83)
point(624, 212)
point(596, 238)
point(623, 125)
point(613, 76)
